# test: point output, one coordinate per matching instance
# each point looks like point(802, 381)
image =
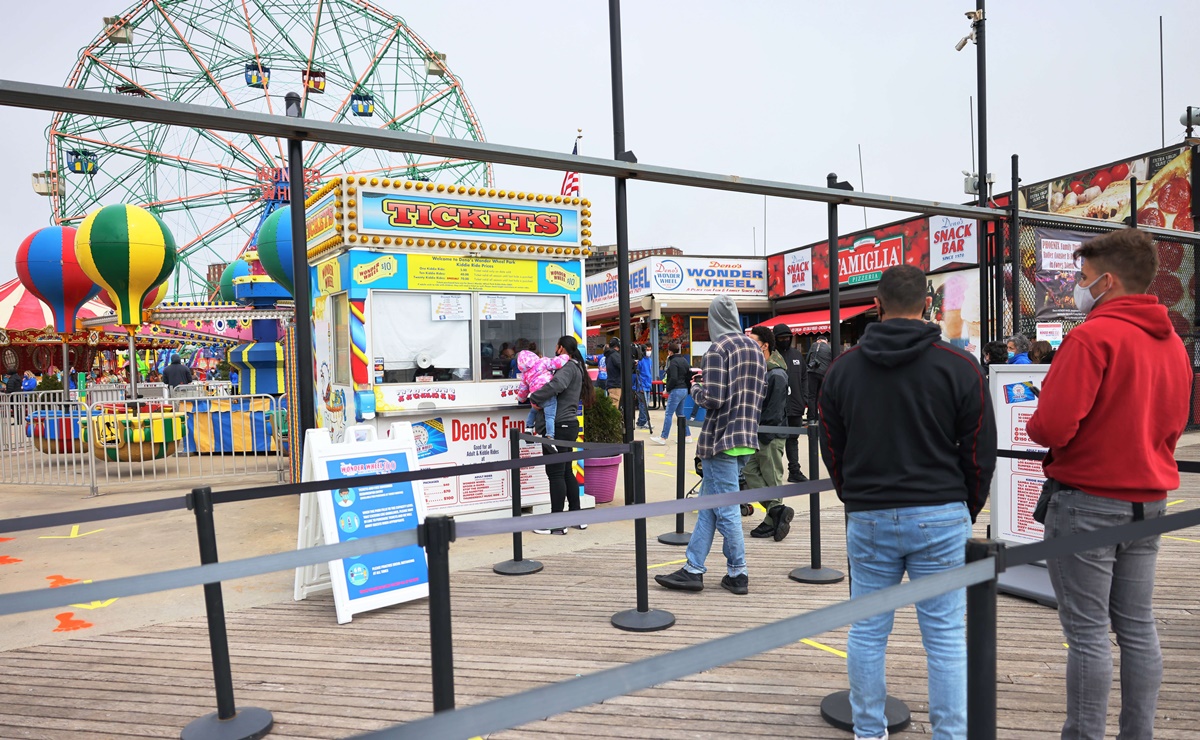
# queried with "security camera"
point(962, 44)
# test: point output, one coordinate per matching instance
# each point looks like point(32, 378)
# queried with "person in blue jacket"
point(643, 384)
point(1018, 350)
point(29, 382)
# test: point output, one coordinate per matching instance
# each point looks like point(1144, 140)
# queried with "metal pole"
point(1133, 204)
point(985, 331)
point(227, 723)
point(518, 566)
point(133, 395)
point(438, 533)
point(300, 284)
point(1014, 233)
point(981, 647)
point(814, 573)
point(643, 618)
point(679, 536)
point(835, 307)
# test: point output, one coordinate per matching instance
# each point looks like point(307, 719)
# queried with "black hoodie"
point(906, 420)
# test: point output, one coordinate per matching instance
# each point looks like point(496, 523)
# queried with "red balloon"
point(47, 267)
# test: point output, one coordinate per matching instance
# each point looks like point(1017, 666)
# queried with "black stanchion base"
point(817, 575)
point(250, 723)
point(835, 709)
point(517, 567)
point(675, 538)
point(648, 621)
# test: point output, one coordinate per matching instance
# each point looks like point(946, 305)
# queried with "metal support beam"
point(111, 105)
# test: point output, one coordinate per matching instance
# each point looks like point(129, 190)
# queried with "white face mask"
point(1083, 296)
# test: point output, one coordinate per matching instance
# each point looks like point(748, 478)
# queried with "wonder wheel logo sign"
point(668, 275)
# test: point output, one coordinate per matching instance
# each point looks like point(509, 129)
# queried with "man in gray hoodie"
point(733, 381)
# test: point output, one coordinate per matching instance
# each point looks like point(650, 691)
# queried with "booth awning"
point(814, 322)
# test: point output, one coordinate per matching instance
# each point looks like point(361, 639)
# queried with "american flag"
point(570, 184)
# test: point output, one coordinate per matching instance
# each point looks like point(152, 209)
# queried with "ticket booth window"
point(427, 338)
point(510, 323)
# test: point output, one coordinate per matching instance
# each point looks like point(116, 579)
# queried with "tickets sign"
point(438, 216)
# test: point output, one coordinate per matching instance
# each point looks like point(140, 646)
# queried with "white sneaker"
point(580, 526)
point(657, 440)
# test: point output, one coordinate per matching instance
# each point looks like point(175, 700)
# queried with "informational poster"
point(466, 438)
point(450, 307)
point(1050, 331)
point(497, 307)
point(353, 510)
point(1017, 483)
point(1054, 276)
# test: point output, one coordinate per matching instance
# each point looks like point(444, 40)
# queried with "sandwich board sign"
point(349, 511)
point(1017, 484)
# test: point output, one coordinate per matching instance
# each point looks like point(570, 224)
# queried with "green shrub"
point(49, 382)
point(602, 422)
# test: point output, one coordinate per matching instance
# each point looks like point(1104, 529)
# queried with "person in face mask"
point(1111, 410)
point(1018, 350)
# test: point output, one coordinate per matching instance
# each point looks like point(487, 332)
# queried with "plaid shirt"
point(734, 384)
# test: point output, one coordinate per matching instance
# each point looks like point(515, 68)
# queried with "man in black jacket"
point(820, 354)
point(910, 442)
point(797, 399)
point(612, 363)
point(765, 467)
point(177, 373)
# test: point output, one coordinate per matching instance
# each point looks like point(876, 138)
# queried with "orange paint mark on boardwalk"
point(68, 623)
point(8, 560)
point(56, 581)
point(6, 539)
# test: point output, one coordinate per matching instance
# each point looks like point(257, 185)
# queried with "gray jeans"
point(1097, 588)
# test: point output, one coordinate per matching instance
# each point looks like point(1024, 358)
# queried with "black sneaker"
point(763, 530)
point(797, 477)
point(782, 515)
point(682, 580)
point(739, 585)
point(550, 531)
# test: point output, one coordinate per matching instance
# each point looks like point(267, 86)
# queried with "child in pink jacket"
point(534, 373)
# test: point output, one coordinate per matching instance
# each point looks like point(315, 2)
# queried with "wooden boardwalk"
point(322, 680)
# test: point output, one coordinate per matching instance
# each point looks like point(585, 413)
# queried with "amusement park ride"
point(351, 62)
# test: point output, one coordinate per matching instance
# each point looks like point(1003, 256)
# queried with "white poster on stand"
point(1017, 484)
point(362, 508)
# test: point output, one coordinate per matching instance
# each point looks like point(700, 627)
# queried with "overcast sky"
point(784, 90)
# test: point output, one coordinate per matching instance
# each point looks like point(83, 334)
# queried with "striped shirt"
point(734, 383)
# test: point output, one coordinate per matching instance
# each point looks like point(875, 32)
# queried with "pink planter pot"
point(600, 478)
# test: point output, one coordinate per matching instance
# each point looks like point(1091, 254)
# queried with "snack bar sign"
point(952, 241)
point(436, 216)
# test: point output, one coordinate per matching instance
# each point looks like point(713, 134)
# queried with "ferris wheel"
point(350, 61)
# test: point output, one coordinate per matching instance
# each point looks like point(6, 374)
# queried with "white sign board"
point(952, 240)
point(797, 271)
point(1050, 331)
point(352, 511)
point(676, 276)
point(1017, 484)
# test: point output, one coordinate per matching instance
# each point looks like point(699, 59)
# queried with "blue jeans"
point(675, 401)
point(1095, 588)
point(643, 399)
point(882, 545)
point(548, 412)
point(720, 476)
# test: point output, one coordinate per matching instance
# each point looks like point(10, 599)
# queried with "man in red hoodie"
point(1111, 410)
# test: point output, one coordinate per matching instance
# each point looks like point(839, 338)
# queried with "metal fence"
point(52, 438)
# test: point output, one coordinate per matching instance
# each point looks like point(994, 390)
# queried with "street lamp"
point(977, 18)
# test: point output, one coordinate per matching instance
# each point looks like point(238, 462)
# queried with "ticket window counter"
point(455, 337)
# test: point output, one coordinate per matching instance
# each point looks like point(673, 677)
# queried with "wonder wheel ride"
point(349, 60)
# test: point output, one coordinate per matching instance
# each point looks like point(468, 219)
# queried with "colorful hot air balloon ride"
point(157, 296)
point(129, 252)
point(48, 268)
point(275, 247)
